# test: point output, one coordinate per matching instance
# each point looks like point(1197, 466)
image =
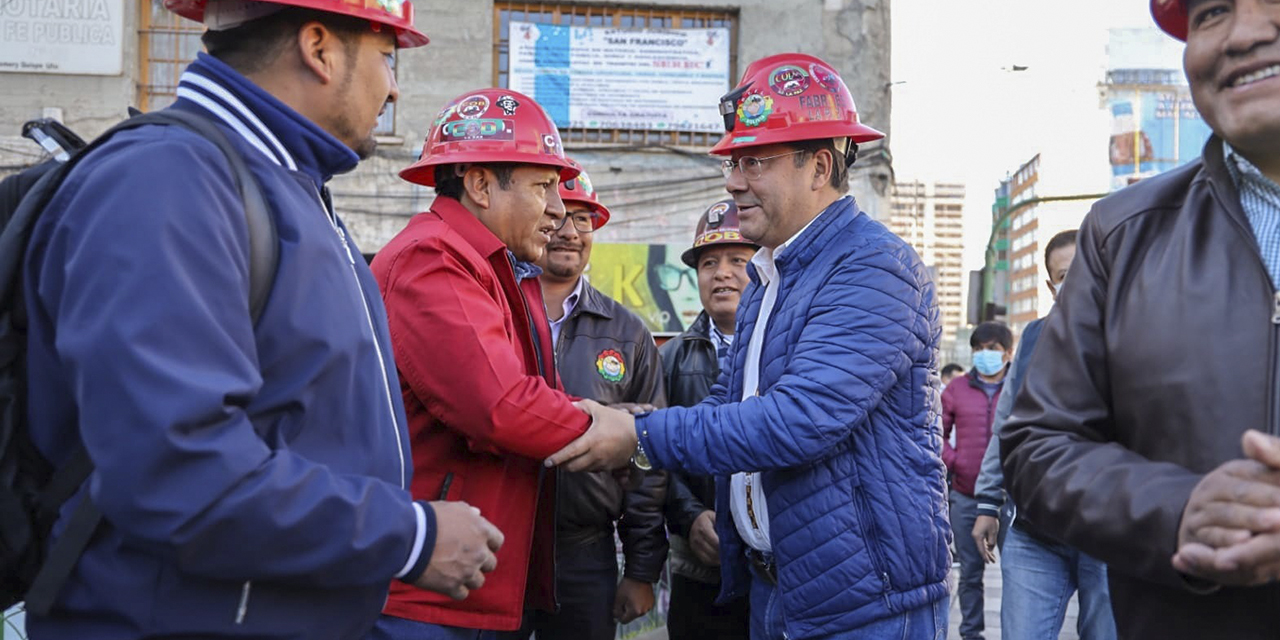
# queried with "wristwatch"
point(640, 460)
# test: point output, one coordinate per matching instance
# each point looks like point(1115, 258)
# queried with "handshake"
point(609, 443)
point(467, 544)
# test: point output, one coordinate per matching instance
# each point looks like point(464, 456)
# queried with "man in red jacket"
point(474, 351)
point(968, 408)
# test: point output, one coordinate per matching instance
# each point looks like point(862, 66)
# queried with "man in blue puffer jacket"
point(830, 503)
point(252, 476)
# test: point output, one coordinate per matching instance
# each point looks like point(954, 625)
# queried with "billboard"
point(650, 280)
point(62, 36)
point(1153, 131)
point(606, 78)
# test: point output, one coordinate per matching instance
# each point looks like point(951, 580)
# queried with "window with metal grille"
point(168, 43)
point(618, 17)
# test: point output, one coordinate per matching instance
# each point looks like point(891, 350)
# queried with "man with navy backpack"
point(251, 469)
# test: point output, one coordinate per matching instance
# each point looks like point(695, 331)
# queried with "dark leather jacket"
point(598, 333)
point(1163, 349)
point(689, 368)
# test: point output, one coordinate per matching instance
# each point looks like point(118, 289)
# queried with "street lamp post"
point(988, 268)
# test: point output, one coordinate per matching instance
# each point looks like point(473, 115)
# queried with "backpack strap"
point(263, 261)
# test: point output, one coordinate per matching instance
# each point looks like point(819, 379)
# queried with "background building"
point(85, 61)
point(930, 217)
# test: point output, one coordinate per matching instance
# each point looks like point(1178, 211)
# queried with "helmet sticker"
point(393, 7)
point(508, 105)
point(478, 129)
point(754, 109)
point(445, 114)
point(473, 106)
point(715, 215)
point(825, 77)
point(789, 80)
point(551, 144)
point(610, 365)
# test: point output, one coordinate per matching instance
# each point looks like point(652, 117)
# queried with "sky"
point(961, 113)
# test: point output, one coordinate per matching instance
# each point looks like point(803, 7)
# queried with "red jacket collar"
point(468, 226)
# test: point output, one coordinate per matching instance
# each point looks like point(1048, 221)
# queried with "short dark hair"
point(1060, 240)
point(839, 170)
point(991, 331)
point(449, 183)
point(256, 44)
point(952, 369)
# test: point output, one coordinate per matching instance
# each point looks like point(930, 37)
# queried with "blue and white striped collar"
point(284, 136)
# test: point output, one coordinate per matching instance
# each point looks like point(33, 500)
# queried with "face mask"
point(989, 362)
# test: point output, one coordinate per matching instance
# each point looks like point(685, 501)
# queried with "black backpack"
point(31, 490)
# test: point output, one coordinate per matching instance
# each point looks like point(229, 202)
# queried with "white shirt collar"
point(766, 268)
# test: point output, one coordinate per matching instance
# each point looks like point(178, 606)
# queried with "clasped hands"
point(608, 443)
point(1230, 529)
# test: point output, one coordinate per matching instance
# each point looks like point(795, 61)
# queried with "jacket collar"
point(802, 249)
point(467, 225)
point(1221, 184)
point(593, 302)
point(283, 135)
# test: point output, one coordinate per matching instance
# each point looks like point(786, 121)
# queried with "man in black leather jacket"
point(1133, 438)
point(690, 366)
point(603, 352)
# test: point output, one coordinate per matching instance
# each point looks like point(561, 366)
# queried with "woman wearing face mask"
point(968, 407)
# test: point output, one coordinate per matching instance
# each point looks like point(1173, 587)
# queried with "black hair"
point(952, 369)
point(991, 331)
point(839, 170)
point(449, 181)
point(1058, 241)
point(256, 44)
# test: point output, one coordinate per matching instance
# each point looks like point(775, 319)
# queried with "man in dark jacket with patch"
point(606, 353)
point(691, 364)
point(1145, 432)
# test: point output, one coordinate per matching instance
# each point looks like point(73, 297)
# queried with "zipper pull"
point(1275, 308)
point(342, 237)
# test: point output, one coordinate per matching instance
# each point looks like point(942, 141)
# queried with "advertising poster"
point(1153, 132)
point(650, 280)
point(62, 36)
point(606, 78)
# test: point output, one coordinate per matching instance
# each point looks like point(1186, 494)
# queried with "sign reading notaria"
point(606, 78)
point(62, 36)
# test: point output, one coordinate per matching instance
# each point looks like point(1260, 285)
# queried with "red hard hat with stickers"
point(1171, 15)
point(579, 190)
point(718, 225)
point(789, 97)
point(490, 125)
point(227, 14)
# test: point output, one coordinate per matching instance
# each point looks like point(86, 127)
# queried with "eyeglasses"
point(751, 166)
point(670, 278)
point(583, 221)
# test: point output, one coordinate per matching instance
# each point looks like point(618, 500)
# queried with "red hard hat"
point(490, 125)
point(718, 225)
point(579, 190)
point(787, 98)
point(1171, 15)
point(397, 14)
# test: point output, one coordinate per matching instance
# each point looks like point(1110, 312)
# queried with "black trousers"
point(586, 583)
point(694, 615)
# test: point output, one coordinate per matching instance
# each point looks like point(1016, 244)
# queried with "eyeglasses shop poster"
point(650, 280)
point(62, 36)
point(606, 78)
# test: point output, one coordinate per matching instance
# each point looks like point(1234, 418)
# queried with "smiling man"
point(823, 426)
point(691, 364)
point(474, 353)
point(1139, 436)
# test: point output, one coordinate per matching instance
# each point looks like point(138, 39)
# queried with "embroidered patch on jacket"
point(610, 365)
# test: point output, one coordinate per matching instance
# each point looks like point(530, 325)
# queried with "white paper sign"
point(62, 36)
point(605, 78)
